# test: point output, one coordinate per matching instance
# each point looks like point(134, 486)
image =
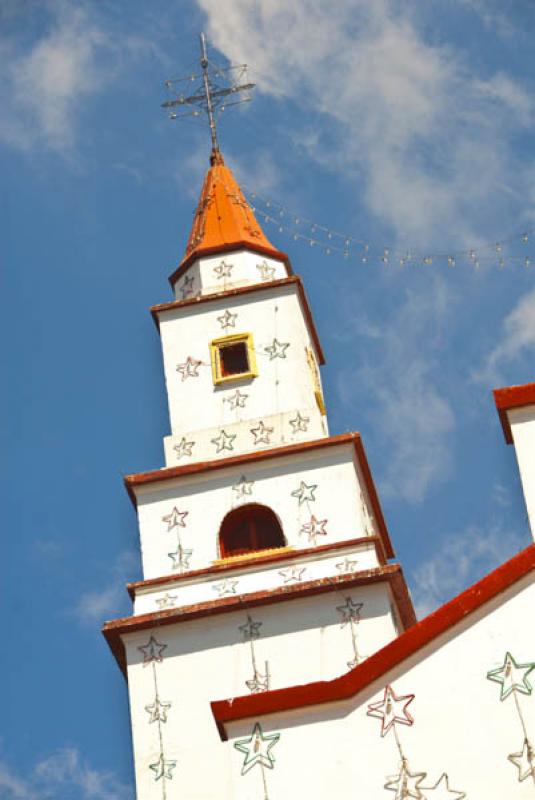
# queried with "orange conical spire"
point(223, 219)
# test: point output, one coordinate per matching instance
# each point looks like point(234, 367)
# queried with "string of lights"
point(334, 242)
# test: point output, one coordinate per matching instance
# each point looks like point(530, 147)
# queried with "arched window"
point(248, 529)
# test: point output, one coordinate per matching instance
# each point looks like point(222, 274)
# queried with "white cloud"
point(460, 560)
point(99, 604)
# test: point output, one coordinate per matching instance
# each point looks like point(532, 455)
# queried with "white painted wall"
point(283, 386)
point(302, 640)
point(244, 268)
point(461, 727)
point(522, 421)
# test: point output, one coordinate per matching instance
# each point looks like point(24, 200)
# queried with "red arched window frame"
point(249, 529)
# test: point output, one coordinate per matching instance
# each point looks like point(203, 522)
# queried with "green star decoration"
point(163, 768)
point(157, 711)
point(257, 749)
point(524, 761)
point(512, 676)
point(305, 492)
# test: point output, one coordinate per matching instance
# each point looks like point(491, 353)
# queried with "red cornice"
point(255, 287)
point(142, 478)
point(115, 629)
point(258, 558)
point(512, 397)
point(354, 681)
point(205, 252)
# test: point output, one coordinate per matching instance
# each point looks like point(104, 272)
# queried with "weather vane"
point(215, 84)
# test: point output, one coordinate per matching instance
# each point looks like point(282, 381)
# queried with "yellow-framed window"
point(233, 358)
point(315, 374)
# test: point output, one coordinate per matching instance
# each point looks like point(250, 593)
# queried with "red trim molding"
point(512, 397)
point(115, 629)
point(352, 682)
point(205, 252)
point(255, 287)
point(169, 473)
point(258, 558)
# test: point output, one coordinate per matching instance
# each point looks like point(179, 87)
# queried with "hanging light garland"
point(333, 242)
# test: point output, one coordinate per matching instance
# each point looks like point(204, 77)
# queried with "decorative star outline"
point(299, 423)
point(292, 574)
point(228, 586)
point(190, 368)
point(251, 629)
point(347, 565)
point(350, 611)
point(158, 710)
point(508, 675)
point(260, 683)
point(223, 270)
point(227, 320)
point(175, 519)
point(243, 487)
point(181, 558)
point(187, 287)
point(166, 601)
point(163, 768)
point(314, 528)
point(524, 761)
point(406, 784)
point(183, 448)
point(236, 400)
point(224, 441)
point(391, 710)
point(277, 349)
point(266, 272)
point(257, 749)
point(262, 433)
point(441, 790)
point(305, 492)
point(152, 651)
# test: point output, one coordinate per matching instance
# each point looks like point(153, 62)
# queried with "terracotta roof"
point(512, 397)
point(223, 219)
point(354, 681)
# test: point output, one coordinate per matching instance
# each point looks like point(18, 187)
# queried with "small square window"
point(233, 358)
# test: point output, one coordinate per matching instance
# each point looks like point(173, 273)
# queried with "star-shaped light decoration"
point(228, 586)
point(236, 400)
point(277, 349)
point(243, 487)
point(299, 423)
point(292, 574)
point(524, 761)
point(175, 519)
point(257, 749)
point(391, 710)
point(305, 492)
point(223, 270)
point(347, 565)
point(251, 629)
point(163, 768)
point(314, 528)
point(183, 448)
point(512, 677)
point(187, 287)
point(441, 790)
point(266, 272)
point(152, 651)
point(262, 433)
point(260, 683)
point(406, 783)
point(224, 441)
point(190, 368)
point(157, 711)
point(350, 611)
point(227, 320)
point(181, 558)
point(166, 601)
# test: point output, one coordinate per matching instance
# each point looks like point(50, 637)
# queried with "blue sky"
point(408, 125)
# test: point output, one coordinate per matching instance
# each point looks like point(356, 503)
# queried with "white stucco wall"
point(243, 270)
point(522, 421)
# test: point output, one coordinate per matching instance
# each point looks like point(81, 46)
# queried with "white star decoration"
point(187, 287)
point(347, 565)
point(189, 369)
point(158, 711)
point(243, 487)
point(262, 433)
point(227, 320)
point(224, 441)
point(406, 783)
point(228, 586)
point(236, 400)
point(163, 768)
point(441, 790)
point(277, 349)
point(223, 270)
point(524, 761)
point(251, 629)
point(292, 574)
point(175, 519)
point(266, 272)
point(257, 749)
point(183, 448)
point(391, 709)
point(166, 601)
point(314, 528)
point(350, 611)
point(181, 558)
point(299, 423)
point(152, 651)
point(305, 492)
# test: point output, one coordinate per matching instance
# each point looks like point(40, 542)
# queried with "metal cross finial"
point(209, 96)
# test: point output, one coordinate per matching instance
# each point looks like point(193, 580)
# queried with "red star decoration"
point(391, 709)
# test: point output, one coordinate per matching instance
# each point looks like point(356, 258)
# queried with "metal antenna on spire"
point(214, 85)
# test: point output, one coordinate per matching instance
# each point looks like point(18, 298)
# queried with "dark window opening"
point(248, 529)
point(233, 359)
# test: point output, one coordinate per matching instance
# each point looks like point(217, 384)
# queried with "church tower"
point(265, 554)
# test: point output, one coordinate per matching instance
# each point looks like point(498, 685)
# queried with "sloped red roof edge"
point(512, 397)
point(231, 247)
point(397, 651)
